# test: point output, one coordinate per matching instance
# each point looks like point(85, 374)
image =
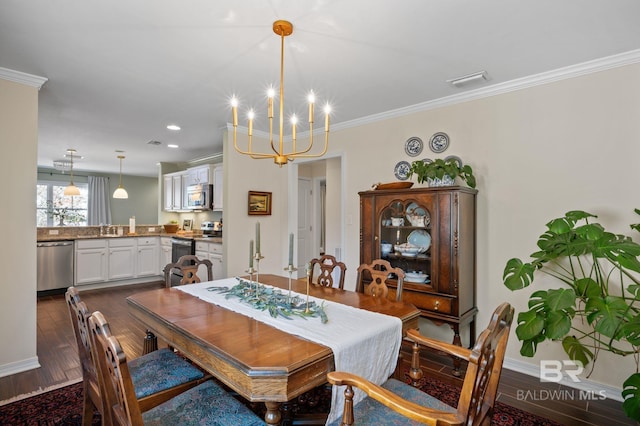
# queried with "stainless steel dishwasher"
point(55, 265)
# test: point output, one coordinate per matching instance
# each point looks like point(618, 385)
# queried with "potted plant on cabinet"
point(442, 172)
point(598, 305)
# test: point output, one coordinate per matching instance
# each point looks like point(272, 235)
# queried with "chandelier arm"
point(281, 142)
point(255, 155)
point(324, 150)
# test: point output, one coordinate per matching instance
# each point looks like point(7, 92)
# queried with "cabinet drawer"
point(147, 241)
point(165, 241)
point(90, 244)
point(215, 248)
point(202, 246)
point(122, 242)
point(429, 302)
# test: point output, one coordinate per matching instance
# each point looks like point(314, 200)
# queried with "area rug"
point(63, 406)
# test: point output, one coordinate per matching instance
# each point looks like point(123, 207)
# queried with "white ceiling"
point(119, 71)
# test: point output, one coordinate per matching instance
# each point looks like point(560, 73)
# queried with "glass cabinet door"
point(405, 239)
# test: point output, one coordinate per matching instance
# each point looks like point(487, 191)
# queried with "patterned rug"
point(63, 407)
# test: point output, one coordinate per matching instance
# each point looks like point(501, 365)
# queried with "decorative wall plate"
point(413, 146)
point(439, 142)
point(401, 171)
point(455, 158)
point(427, 160)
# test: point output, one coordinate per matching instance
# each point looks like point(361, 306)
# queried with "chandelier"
point(278, 152)
point(71, 190)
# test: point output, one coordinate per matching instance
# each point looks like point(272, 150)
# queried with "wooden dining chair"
point(157, 376)
point(207, 403)
point(325, 265)
point(396, 402)
point(372, 279)
point(188, 265)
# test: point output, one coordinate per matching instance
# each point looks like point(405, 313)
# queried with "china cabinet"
point(430, 234)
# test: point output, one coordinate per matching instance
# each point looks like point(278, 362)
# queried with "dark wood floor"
point(57, 354)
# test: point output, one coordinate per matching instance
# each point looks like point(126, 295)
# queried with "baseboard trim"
point(585, 385)
point(19, 366)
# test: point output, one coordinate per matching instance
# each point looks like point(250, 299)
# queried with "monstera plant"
point(597, 306)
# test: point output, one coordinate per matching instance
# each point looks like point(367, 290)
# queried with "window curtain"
point(99, 209)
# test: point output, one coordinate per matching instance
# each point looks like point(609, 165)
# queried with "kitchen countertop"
point(197, 237)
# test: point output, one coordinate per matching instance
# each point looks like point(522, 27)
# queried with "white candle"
point(291, 249)
point(257, 237)
point(251, 254)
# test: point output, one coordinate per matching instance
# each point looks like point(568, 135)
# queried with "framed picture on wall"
point(259, 203)
point(187, 225)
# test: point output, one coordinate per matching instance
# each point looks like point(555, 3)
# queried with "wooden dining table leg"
point(273, 415)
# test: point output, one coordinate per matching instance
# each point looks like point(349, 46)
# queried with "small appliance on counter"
point(211, 229)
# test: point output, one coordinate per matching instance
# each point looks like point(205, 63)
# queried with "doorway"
point(318, 213)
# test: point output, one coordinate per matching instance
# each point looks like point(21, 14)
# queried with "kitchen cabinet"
point(148, 257)
point(218, 188)
point(174, 191)
point(165, 253)
point(122, 258)
point(442, 219)
point(90, 261)
point(213, 252)
point(200, 175)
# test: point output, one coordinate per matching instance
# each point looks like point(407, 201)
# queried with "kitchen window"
point(56, 209)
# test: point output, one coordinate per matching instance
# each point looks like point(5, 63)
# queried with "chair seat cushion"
point(161, 370)
point(371, 412)
point(205, 404)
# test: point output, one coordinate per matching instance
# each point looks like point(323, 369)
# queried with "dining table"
point(258, 361)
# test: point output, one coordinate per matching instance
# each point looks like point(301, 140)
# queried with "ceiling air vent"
point(156, 143)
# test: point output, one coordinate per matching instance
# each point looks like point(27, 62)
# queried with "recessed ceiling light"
point(173, 127)
point(172, 146)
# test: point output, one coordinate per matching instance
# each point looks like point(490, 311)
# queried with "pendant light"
point(120, 192)
point(71, 190)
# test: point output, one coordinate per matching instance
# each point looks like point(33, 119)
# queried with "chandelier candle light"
point(279, 155)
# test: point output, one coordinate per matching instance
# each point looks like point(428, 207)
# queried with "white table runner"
point(363, 342)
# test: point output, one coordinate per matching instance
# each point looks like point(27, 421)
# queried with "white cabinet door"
point(148, 259)
point(202, 270)
point(217, 188)
point(177, 192)
point(218, 268)
point(91, 265)
point(122, 258)
point(168, 192)
point(165, 253)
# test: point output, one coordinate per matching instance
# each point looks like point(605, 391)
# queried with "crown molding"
point(590, 67)
point(22, 78)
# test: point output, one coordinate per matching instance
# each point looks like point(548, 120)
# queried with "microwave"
point(199, 197)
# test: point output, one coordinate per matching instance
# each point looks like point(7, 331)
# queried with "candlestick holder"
point(307, 310)
point(290, 269)
point(250, 271)
point(257, 257)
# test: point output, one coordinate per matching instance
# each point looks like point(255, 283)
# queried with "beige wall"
point(19, 137)
point(536, 152)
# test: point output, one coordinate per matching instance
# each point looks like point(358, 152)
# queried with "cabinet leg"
point(456, 341)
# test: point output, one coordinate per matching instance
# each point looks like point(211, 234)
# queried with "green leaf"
point(587, 287)
point(517, 275)
point(631, 395)
point(560, 299)
point(530, 325)
point(606, 314)
point(529, 346)
point(631, 330)
point(576, 350)
point(577, 215)
point(560, 225)
point(557, 325)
